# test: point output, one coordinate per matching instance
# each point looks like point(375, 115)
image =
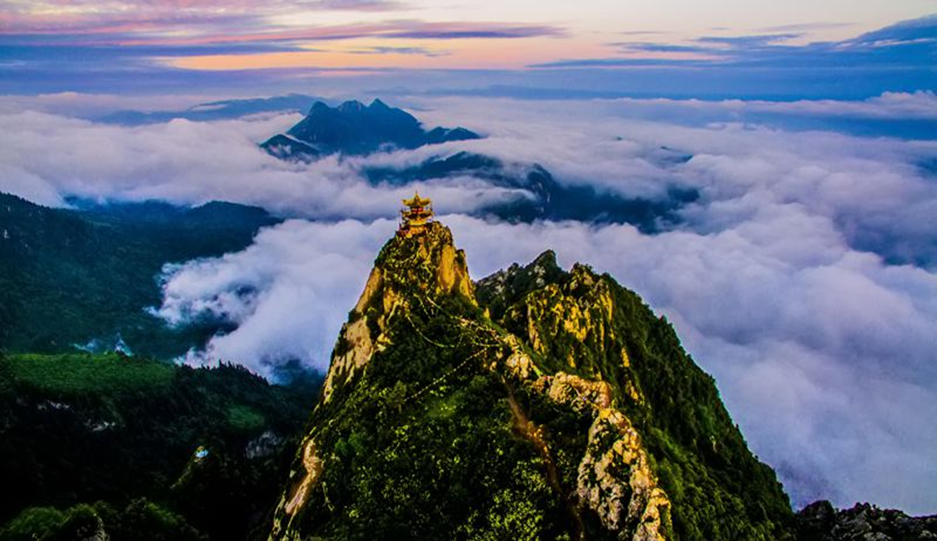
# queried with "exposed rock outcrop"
point(301, 481)
point(356, 341)
point(614, 479)
point(429, 262)
point(820, 521)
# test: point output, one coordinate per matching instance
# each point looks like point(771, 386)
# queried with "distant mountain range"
point(353, 128)
point(215, 110)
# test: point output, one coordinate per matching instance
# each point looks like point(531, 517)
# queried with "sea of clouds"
point(804, 278)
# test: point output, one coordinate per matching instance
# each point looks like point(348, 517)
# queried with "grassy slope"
point(83, 373)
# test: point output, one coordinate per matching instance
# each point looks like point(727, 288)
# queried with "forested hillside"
point(84, 277)
point(185, 452)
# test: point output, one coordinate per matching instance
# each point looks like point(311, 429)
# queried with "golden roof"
point(417, 201)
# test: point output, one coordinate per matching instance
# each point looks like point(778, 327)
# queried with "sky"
point(804, 277)
point(629, 48)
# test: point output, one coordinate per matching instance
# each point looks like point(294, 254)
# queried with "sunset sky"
point(55, 45)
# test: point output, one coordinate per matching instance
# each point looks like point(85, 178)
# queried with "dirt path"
point(313, 466)
point(534, 434)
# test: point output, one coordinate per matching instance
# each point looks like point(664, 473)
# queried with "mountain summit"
point(537, 403)
point(356, 128)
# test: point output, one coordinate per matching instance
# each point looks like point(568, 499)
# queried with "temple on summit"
point(416, 216)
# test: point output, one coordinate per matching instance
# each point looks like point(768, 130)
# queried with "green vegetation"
point(244, 419)
point(718, 488)
point(79, 428)
point(103, 427)
point(432, 438)
point(141, 520)
point(436, 438)
point(85, 277)
point(422, 445)
point(77, 373)
point(422, 451)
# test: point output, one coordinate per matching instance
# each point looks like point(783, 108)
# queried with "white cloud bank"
point(778, 280)
point(287, 293)
point(823, 354)
point(194, 162)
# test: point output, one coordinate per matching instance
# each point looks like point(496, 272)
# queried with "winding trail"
point(534, 434)
point(313, 466)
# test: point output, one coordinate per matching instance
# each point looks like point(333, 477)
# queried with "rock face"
point(820, 521)
point(525, 406)
point(508, 286)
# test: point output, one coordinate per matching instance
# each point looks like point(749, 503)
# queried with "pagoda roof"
point(417, 201)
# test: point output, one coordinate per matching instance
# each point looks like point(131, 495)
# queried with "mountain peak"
point(420, 372)
point(408, 271)
point(509, 285)
point(319, 106)
point(426, 264)
point(547, 259)
point(570, 412)
point(351, 106)
point(353, 128)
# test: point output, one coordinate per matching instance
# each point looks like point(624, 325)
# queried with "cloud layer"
point(907, 43)
point(803, 278)
point(191, 162)
point(286, 293)
point(823, 354)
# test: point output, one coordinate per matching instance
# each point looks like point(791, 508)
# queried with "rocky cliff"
point(535, 404)
point(820, 521)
